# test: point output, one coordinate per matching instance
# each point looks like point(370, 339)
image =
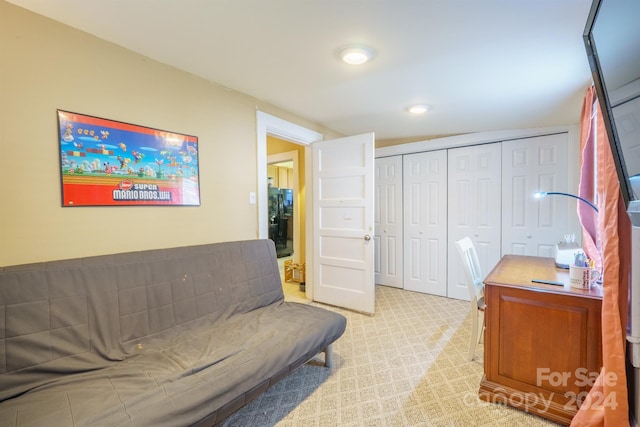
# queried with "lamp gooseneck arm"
point(547, 193)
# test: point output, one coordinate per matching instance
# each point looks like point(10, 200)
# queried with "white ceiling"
point(481, 65)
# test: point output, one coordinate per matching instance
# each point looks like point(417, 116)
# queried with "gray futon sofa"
point(169, 337)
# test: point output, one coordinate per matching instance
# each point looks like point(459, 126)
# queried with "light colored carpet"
point(405, 366)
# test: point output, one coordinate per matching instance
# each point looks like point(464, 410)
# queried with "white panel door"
point(533, 226)
point(474, 210)
point(343, 193)
point(388, 221)
point(425, 222)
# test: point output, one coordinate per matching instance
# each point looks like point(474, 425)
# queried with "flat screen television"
point(612, 41)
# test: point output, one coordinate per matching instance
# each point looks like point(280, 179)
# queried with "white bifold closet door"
point(533, 226)
point(388, 221)
point(425, 222)
point(474, 210)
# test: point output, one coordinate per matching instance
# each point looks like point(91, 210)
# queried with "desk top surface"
point(518, 271)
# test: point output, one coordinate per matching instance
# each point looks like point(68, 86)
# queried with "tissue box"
point(566, 253)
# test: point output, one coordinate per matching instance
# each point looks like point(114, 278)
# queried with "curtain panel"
point(606, 237)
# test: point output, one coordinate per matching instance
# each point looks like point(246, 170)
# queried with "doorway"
point(271, 126)
point(285, 214)
point(268, 125)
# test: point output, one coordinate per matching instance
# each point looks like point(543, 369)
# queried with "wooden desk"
point(542, 348)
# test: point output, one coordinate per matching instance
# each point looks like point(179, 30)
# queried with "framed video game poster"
point(110, 163)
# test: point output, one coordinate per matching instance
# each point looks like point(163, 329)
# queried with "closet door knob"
point(367, 238)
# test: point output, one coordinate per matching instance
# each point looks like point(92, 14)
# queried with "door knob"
point(367, 237)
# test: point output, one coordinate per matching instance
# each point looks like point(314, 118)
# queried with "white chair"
point(475, 284)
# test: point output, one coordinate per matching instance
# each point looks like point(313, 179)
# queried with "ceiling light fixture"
point(418, 109)
point(356, 55)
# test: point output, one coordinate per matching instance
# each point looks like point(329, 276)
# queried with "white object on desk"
point(566, 253)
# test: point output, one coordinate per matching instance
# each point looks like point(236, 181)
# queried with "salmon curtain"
point(606, 237)
point(587, 189)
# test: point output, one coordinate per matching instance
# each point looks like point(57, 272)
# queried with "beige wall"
point(397, 141)
point(45, 65)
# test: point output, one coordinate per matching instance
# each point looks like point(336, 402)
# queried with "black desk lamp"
point(564, 250)
point(541, 194)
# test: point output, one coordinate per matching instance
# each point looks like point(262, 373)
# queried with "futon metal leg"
point(328, 356)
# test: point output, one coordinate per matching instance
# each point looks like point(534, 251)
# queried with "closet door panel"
point(425, 222)
point(474, 210)
point(388, 221)
point(533, 226)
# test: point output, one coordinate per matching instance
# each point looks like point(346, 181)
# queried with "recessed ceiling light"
point(418, 109)
point(356, 55)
